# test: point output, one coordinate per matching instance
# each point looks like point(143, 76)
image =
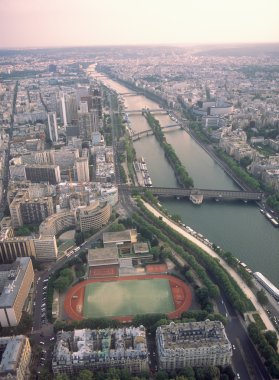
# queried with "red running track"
point(181, 294)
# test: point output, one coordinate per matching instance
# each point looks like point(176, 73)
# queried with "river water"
point(235, 226)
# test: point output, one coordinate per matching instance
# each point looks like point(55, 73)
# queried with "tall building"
point(68, 108)
point(16, 281)
point(52, 126)
point(82, 169)
point(13, 247)
point(43, 173)
point(83, 106)
point(193, 344)
point(46, 248)
point(94, 216)
point(101, 349)
point(15, 357)
point(88, 123)
point(26, 210)
point(43, 248)
point(63, 109)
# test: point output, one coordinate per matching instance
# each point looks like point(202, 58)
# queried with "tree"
point(202, 296)
point(271, 338)
point(61, 376)
point(116, 227)
point(61, 284)
point(262, 297)
point(162, 375)
point(85, 374)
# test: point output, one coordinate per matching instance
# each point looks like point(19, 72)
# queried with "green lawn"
point(131, 297)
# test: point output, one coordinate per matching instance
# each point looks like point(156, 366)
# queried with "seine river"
point(235, 226)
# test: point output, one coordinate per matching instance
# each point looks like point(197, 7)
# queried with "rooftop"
point(192, 335)
point(120, 237)
point(12, 352)
point(103, 256)
point(13, 284)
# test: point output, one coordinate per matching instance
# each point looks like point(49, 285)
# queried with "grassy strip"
point(181, 173)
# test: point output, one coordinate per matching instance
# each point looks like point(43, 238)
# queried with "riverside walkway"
point(247, 291)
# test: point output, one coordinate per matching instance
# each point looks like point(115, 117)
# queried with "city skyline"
point(35, 23)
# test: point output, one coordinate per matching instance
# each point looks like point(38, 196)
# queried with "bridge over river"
point(206, 193)
point(137, 135)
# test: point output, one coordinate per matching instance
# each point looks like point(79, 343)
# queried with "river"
point(235, 226)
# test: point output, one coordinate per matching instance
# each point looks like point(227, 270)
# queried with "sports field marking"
point(131, 297)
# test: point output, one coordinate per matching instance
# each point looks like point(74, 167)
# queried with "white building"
point(193, 344)
point(82, 169)
point(52, 126)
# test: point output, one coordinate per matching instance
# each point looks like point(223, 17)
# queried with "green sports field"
point(130, 297)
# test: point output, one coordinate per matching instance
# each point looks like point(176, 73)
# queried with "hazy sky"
point(34, 23)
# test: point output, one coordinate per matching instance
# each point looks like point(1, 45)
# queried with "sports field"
point(123, 297)
point(118, 298)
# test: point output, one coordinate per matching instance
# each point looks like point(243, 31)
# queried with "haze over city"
point(39, 23)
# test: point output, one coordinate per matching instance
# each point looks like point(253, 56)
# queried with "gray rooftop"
point(12, 353)
point(118, 237)
point(103, 256)
point(12, 286)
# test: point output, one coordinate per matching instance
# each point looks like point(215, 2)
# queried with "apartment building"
point(16, 281)
point(15, 352)
point(94, 216)
point(100, 350)
point(193, 344)
point(27, 210)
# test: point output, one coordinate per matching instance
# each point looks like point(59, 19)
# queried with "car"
point(233, 346)
point(52, 338)
point(43, 304)
point(238, 376)
point(42, 343)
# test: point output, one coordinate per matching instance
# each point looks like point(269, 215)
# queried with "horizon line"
point(171, 44)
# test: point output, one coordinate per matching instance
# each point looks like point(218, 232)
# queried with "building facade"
point(15, 357)
point(57, 223)
point(27, 210)
point(94, 216)
point(100, 350)
point(43, 173)
point(193, 344)
point(52, 126)
point(15, 289)
point(82, 169)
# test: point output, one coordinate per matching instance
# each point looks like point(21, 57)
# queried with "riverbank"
point(248, 292)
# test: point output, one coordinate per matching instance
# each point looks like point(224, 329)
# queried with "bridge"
point(131, 93)
point(155, 110)
point(206, 193)
point(137, 135)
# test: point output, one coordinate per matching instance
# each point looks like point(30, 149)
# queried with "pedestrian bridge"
point(218, 195)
